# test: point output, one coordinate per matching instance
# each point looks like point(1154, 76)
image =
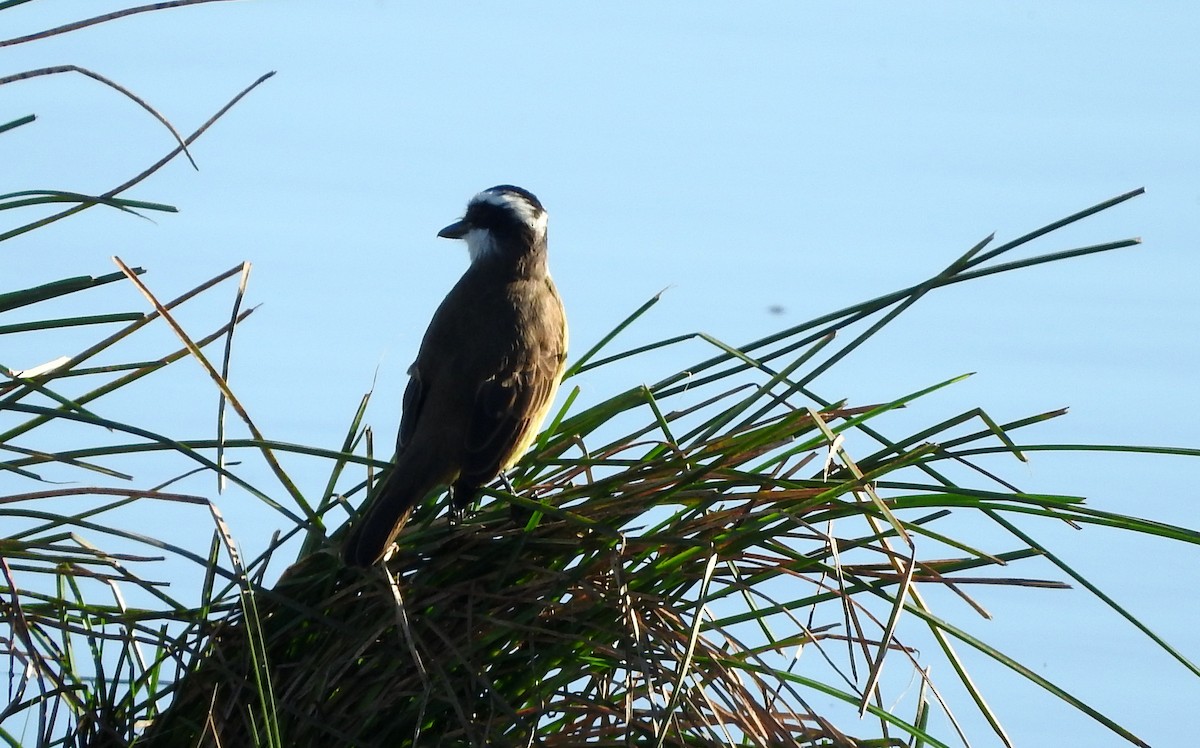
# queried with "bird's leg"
point(456, 512)
point(518, 515)
point(508, 486)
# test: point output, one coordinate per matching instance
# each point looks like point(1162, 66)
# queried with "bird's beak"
point(456, 230)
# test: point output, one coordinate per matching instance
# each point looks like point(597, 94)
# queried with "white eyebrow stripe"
point(503, 199)
point(529, 214)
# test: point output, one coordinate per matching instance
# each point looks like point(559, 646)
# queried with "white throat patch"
point(479, 243)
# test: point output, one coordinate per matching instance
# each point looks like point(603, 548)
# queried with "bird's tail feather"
point(384, 515)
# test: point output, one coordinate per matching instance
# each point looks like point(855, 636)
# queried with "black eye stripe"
point(493, 217)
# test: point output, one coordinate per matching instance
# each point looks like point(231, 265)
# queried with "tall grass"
point(702, 560)
point(669, 556)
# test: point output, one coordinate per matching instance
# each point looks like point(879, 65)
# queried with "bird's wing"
point(505, 408)
point(414, 400)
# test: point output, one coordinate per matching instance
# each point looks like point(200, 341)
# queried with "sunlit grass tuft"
point(698, 561)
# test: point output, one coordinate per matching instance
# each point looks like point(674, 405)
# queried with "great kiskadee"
point(486, 372)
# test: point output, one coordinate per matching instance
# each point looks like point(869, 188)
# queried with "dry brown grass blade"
point(223, 386)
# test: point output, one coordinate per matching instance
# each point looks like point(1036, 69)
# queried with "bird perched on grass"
point(486, 372)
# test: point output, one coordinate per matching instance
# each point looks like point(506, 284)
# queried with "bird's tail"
point(385, 514)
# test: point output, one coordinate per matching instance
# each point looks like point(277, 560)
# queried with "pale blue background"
point(801, 155)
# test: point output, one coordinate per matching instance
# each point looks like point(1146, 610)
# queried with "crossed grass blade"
point(83, 676)
point(96, 697)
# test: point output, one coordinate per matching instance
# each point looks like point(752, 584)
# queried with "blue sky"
point(743, 157)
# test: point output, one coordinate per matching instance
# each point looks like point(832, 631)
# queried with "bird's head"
point(503, 221)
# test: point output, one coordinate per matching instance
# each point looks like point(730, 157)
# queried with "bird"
point(485, 375)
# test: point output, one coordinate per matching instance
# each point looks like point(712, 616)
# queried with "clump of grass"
point(669, 556)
